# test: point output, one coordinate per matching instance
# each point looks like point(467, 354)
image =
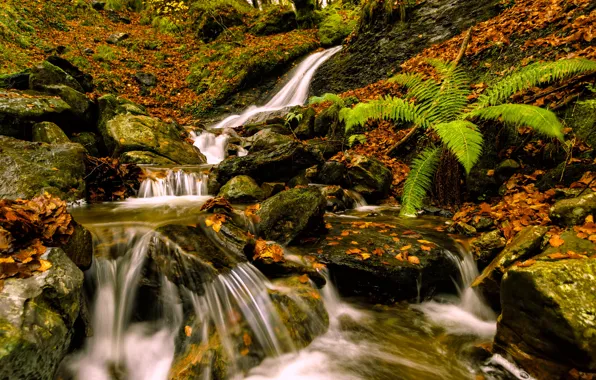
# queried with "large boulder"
point(47, 74)
point(19, 113)
point(144, 158)
point(37, 317)
point(332, 173)
point(90, 141)
point(547, 322)
point(570, 212)
point(267, 139)
point(292, 214)
point(279, 164)
point(28, 169)
point(85, 80)
point(526, 244)
point(82, 109)
point(50, 133)
point(369, 177)
point(385, 261)
point(242, 189)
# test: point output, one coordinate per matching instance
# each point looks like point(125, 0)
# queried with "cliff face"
point(382, 43)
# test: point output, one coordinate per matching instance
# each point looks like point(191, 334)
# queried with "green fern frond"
point(452, 95)
point(540, 119)
point(419, 180)
point(463, 139)
point(533, 75)
point(327, 97)
point(356, 139)
point(418, 88)
point(388, 108)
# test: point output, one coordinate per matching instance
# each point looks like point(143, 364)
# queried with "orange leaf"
point(405, 247)
point(556, 241)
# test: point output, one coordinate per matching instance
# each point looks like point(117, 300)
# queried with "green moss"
point(336, 26)
point(166, 25)
point(104, 54)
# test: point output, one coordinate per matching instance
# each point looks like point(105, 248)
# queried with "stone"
point(82, 109)
point(79, 247)
point(292, 214)
point(89, 141)
point(144, 158)
point(267, 139)
point(326, 147)
point(582, 121)
point(279, 164)
point(506, 169)
point(327, 121)
point(85, 80)
point(242, 189)
point(573, 211)
point(47, 74)
point(16, 81)
point(37, 317)
point(306, 126)
point(571, 243)
point(333, 173)
point(272, 188)
point(337, 199)
point(117, 37)
point(28, 169)
point(49, 133)
point(18, 114)
point(369, 177)
point(486, 247)
point(548, 312)
point(98, 5)
point(525, 245)
point(146, 79)
point(110, 106)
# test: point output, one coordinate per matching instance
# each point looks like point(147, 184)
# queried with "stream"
point(146, 326)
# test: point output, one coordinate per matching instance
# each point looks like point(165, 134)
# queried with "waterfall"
point(160, 183)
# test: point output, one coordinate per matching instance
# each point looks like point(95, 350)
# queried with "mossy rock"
point(274, 20)
point(50, 133)
point(16, 81)
point(46, 74)
point(242, 189)
point(582, 119)
point(28, 169)
point(85, 80)
point(89, 141)
point(82, 109)
point(334, 28)
point(18, 114)
point(573, 211)
point(369, 177)
point(267, 139)
point(486, 247)
point(144, 158)
point(37, 317)
point(548, 311)
point(211, 18)
point(306, 126)
point(79, 247)
point(292, 214)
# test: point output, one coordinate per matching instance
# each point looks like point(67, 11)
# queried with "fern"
point(533, 75)
point(419, 89)
point(540, 119)
point(419, 180)
point(463, 139)
point(356, 139)
point(383, 109)
point(327, 97)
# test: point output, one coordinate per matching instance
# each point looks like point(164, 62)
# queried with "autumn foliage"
point(109, 180)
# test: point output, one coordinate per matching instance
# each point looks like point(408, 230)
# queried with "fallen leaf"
point(413, 260)
point(526, 263)
point(556, 241)
point(188, 330)
point(303, 279)
point(405, 247)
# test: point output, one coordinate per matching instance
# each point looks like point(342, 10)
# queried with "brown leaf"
point(187, 331)
point(556, 241)
point(413, 260)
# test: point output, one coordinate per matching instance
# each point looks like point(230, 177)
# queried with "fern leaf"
point(356, 139)
point(534, 75)
point(451, 97)
point(389, 108)
point(540, 119)
point(327, 97)
point(419, 180)
point(463, 139)
point(418, 88)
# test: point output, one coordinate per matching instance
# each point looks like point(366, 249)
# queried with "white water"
point(172, 183)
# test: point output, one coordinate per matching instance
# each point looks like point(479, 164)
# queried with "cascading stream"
point(162, 183)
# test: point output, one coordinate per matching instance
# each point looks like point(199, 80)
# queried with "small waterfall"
point(294, 93)
point(213, 147)
point(357, 198)
point(160, 183)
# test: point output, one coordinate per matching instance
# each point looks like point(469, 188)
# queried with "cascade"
point(172, 182)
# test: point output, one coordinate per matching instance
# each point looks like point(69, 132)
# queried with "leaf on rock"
point(413, 260)
point(268, 251)
point(556, 241)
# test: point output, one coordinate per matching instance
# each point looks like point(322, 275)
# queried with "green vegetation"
point(104, 54)
point(337, 22)
point(444, 107)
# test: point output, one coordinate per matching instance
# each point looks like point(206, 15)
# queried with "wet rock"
point(327, 147)
point(28, 169)
point(50, 133)
point(37, 317)
point(292, 214)
point(89, 141)
point(252, 129)
point(525, 245)
point(85, 80)
point(571, 212)
point(333, 173)
point(482, 223)
point(487, 246)
point(327, 120)
point(267, 139)
point(272, 188)
point(299, 180)
point(337, 199)
point(367, 258)
point(79, 247)
point(18, 114)
point(279, 164)
point(548, 312)
point(462, 228)
point(82, 109)
point(242, 189)
point(117, 37)
point(47, 74)
point(16, 81)
point(369, 177)
point(144, 158)
point(306, 126)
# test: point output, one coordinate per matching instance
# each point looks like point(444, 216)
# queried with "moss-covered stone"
point(573, 211)
point(549, 311)
point(37, 317)
point(28, 169)
point(525, 245)
point(336, 27)
point(89, 141)
point(267, 139)
point(46, 74)
point(582, 119)
point(82, 109)
point(49, 133)
point(369, 177)
point(292, 214)
point(242, 189)
point(274, 20)
point(144, 158)
point(211, 18)
point(79, 247)
point(327, 121)
point(487, 246)
point(306, 126)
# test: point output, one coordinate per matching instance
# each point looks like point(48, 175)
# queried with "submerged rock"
point(28, 169)
point(571, 212)
point(242, 189)
point(547, 315)
point(37, 317)
point(369, 177)
point(525, 245)
point(292, 214)
point(49, 133)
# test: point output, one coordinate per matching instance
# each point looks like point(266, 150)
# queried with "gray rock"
point(144, 158)
point(49, 133)
point(18, 114)
point(242, 189)
point(145, 79)
point(89, 141)
point(79, 247)
point(37, 317)
point(267, 139)
point(47, 74)
point(369, 177)
point(117, 37)
point(28, 169)
point(571, 212)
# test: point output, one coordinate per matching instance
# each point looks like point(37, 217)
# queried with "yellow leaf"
point(413, 260)
point(365, 256)
point(44, 265)
point(187, 330)
point(556, 241)
point(405, 247)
